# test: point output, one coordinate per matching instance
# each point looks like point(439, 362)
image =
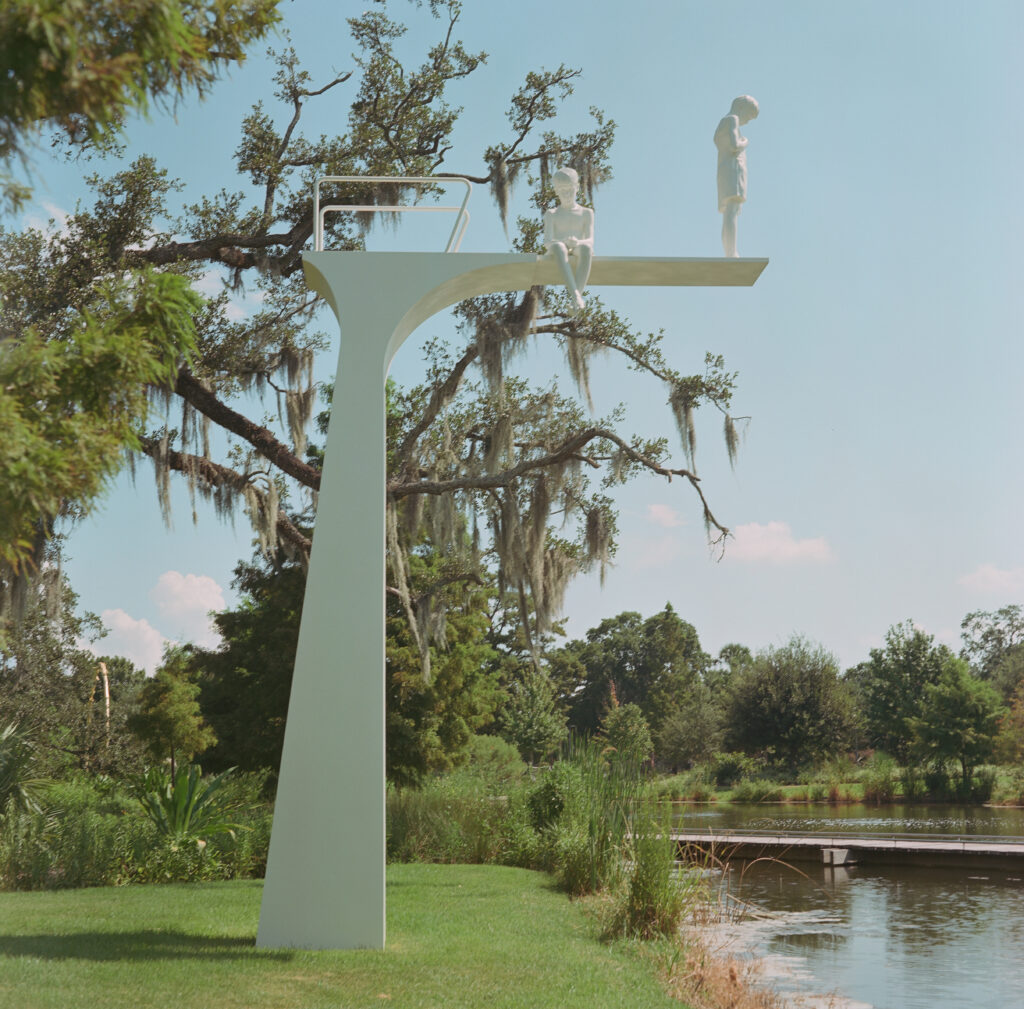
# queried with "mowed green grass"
point(458, 936)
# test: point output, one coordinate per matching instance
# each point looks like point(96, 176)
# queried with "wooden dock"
point(1005, 853)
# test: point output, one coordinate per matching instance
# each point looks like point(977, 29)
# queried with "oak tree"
point(491, 470)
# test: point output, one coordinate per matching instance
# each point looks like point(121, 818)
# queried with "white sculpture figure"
point(569, 235)
point(732, 167)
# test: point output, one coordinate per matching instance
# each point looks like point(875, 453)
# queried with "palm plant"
point(183, 806)
point(17, 756)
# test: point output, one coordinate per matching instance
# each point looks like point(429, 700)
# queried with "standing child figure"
point(732, 167)
point(569, 235)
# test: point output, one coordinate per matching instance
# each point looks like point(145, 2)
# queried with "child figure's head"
point(744, 108)
point(566, 182)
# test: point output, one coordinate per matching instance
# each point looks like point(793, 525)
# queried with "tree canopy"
point(892, 686)
point(80, 66)
point(653, 663)
point(493, 471)
point(959, 720)
point(790, 706)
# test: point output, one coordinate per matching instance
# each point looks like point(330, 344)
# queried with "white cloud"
point(774, 543)
point(210, 284)
point(137, 640)
point(665, 516)
point(239, 306)
point(186, 601)
point(56, 223)
point(649, 553)
point(987, 579)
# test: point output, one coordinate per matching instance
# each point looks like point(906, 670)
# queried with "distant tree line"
point(644, 686)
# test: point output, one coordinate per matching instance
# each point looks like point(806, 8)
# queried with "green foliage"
point(790, 705)
point(880, 778)
point(911, 783)
point(449, 822)
point(185, 807)
point(891, 686)
point(494, 761)
point(958, 721)
point(431, 723)
point(657, 893)
point(547, 800)
point(87, 832)
point(1010, 742)
point(81, 67)
point(70, 407)
point(725, 769)
point(530, 719)
point(692, 733)
point(600, 813)
point(988, 636)
point(50, 685)
point(244, 684)
point(18, 786)
point(757, 790)
point(652, 663)
point(168, 720)
point(47, 850)
point(625, 734)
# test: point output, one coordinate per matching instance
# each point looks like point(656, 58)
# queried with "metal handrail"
point(458, 229)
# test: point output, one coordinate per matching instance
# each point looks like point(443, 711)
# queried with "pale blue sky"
point(879, 354)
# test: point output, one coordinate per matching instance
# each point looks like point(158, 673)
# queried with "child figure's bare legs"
point(729, 214)
point(575, 281)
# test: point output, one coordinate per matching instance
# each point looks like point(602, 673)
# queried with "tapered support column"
point(325, 872)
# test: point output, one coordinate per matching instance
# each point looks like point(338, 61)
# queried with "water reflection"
point(894, 938)
point(855, 816)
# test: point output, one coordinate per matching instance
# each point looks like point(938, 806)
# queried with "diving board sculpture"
point(324, 885)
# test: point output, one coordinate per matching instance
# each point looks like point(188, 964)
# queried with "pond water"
point(854, 816)
point(881, 936)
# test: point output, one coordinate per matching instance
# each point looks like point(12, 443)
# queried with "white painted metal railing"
point(319, 212)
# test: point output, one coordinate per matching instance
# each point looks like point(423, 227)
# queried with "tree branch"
point(569, 448)
point(188, 387)
point(216, 476)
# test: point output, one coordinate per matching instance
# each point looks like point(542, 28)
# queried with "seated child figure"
point(569, 235)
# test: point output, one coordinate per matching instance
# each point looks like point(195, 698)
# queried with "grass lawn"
point(458, 936)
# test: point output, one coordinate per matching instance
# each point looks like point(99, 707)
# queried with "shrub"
point(548, 799)
point(936, 782)
point(17, 761)
point(89, 833)
point(654, 895)
point(702, 793)
point(912, 783)
point(494, 760)
point(728, 768)
point(185, 806)
point(879, 779)
point(49, 850)
point(983, 784)
point(757, 791)
point(1012, 792)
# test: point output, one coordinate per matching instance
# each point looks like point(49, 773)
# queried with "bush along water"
point(583, 819)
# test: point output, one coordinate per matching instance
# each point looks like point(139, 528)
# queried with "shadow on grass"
point(144, 945)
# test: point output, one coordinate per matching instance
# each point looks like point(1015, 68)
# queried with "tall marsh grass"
point(585, 820)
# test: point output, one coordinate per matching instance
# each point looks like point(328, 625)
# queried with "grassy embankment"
point(877, 782)
point(458, 936)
